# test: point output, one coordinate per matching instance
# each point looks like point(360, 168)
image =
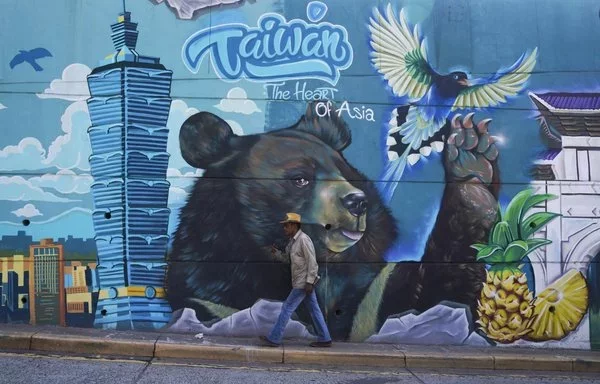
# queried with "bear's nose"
point(355, 203)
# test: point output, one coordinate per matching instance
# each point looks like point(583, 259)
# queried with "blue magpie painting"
point(400, 55)
point(30, 57)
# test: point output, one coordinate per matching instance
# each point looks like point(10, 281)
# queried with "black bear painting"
point(221, 260)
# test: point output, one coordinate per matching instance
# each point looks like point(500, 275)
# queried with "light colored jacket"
point(303, 260)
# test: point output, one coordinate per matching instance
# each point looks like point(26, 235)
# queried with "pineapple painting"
point(560, 307)
point(507, 309)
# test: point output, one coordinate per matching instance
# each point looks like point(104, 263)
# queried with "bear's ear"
point(321, 120)
point(204, 139)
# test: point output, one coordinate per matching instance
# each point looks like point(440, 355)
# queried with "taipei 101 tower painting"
point(129, 108)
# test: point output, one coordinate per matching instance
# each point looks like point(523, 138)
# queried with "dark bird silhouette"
point(30, 57)
point(400, 55)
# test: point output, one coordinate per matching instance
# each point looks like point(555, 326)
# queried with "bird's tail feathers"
point(415, 132)
point(393, 173)
point(419, 138)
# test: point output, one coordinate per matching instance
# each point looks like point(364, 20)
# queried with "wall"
point(449, 175)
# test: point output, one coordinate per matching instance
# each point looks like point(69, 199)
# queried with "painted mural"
point(446, 167)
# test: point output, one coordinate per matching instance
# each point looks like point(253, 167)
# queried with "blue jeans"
point(290, 304)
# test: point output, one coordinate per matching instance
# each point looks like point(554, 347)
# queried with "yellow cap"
point(291, 218)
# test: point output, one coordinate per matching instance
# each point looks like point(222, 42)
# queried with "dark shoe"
point(268, 343)
point(320, 344)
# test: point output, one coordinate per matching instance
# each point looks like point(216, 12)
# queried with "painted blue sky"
point(53, 139)
point(44, 146)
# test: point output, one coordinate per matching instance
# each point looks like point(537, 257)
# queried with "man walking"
point(301, 252)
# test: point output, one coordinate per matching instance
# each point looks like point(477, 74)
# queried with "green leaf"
point(515, 251)
point(535, 222)
point(501, 234)
point(490, 254)
point(535, 200)
point(513, 268)
point(498, 220)
point(534, 244)
point(478, 246)
point(514, 211)
point(500, 216)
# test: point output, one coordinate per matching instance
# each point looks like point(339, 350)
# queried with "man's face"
point(289, 229)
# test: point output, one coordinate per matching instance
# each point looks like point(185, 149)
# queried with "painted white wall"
point(575, 235)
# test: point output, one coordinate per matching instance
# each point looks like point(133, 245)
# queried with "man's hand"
point(273, 249)
point(308, 288)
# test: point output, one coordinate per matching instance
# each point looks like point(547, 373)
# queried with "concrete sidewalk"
point(154, 345)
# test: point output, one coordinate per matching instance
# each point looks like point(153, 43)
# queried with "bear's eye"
point(300, 182)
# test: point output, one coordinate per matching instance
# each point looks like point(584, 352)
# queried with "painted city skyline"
point(40, 286)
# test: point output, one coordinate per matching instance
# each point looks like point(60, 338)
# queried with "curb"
point(44, 342)
point(341, 354)
point(16, 339)
point(234, 350)
point(153, 345)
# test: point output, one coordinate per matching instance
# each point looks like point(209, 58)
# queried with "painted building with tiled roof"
point(569, 169)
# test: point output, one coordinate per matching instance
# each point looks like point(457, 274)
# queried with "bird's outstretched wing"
point(399, 54)
point(18, 59)
point(483, 93)
point(39, 53)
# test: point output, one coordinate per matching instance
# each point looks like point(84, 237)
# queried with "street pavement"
point(48, 369)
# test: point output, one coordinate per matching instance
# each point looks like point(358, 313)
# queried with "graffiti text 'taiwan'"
point(275, 50)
